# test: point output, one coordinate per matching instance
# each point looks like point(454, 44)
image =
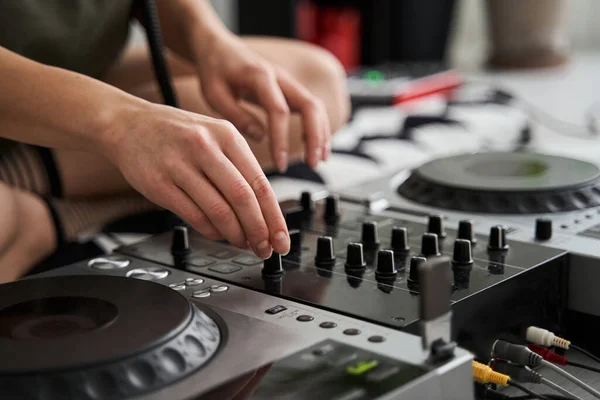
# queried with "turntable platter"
point(101, 335)
point(515, 183)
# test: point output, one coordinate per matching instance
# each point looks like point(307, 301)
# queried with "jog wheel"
point(505, 183)
point(98, 337)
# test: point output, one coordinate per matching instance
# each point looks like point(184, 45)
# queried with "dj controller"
point(390, 290)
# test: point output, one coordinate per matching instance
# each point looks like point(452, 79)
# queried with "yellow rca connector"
point(484, 374)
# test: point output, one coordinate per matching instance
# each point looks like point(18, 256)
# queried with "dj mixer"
point(389, 291)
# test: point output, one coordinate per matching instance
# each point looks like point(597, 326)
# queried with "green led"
point(361, 367)
point(374, 76)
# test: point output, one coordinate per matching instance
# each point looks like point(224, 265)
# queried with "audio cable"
point(552, 357)
point(543, 337)
point(524, 356)
point(484, 374)
point(523, 373)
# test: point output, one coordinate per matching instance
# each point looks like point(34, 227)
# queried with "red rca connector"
point(548, 354)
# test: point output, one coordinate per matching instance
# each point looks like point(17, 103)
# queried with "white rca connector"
point(545, 338)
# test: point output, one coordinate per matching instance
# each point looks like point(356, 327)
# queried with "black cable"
point(585, 353)
point(531, 393)
point(583, 366)
point(152, 26)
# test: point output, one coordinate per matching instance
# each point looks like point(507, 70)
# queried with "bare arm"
point(198, 167)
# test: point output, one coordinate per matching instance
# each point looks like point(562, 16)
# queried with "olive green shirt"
point(84, 36)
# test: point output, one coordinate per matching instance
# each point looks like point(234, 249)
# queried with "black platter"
point(98, 337)
point(504, 183)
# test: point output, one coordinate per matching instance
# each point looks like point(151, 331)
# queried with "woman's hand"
point(230, 73)
point(202, 169)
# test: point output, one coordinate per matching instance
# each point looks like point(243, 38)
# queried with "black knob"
point(307, 203)
point(325, 255)
point(462, 255)
point(355, 256)
point(272, 266)
point(332, 209)
point(543, 229)
point(370, 236)
point(295, 241)
point(294, 218)
point(497, 240)
point(435, 224)
point(429, 245)
point(415, 264)
point(180, 244)
point(400, 240)
point(385, 263)
point(465, 231)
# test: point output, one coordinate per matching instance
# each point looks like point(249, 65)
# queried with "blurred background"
point(463, 33)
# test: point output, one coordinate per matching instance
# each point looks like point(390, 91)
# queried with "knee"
point(325, 76)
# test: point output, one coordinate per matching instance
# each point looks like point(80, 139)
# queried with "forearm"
point(188, 26)
point(53, 107)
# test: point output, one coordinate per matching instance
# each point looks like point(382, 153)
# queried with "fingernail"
point(263, 245)
point(282, 161)
point(255, 132)
point(264, 250)
point(282, 242)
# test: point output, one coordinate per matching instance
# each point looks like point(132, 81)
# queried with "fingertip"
point(281, 242)
point(281, 161)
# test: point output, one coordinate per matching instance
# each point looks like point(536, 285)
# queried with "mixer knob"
point(355, 256)
point(180, 244)
point(415, 264)
point(385, 264)
point(325, 255)
point(307, 203)
point(332, 209)
point(272, 266)
point(462, 255)
point(435, 224)
point(370, 236)
point(497, 240)
point(465, 231)
point(400, 240)
point(543, 229)
point(429, 245)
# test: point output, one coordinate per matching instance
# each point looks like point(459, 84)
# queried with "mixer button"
point(465, 231)
point(435, 224)
point(225, 268)
point(376, 339)
point(247, 260)
point(370, 236)
point(385, 264)
point(180, 243)
point(223, 254)
point(400, 240)
point(429, 245)
point(332, 209)
point(295, 241)
point(200, 262)
point(148, 274)
point(276, 310)
point(177, 286)
point(194, 281)
point(497, 240)
point(304, 318)
point(351, 332)
point(294, 218)
point(462, 254)
point(109, 262)
point(219, 288)
point(200, 294)
point(328, 325)
point(355, 257)
point(543, 229)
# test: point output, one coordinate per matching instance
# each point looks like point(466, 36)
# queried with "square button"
point(200, 261)
point(223, 254)
point(225, 268)
point(247, 260)
point(276, 310)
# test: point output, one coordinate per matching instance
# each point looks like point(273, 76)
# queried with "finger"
point(241, 156)
point(182, 205)
point(328, 134)
point(210, 201)
point(220, 97)
point(236, 189)
point(269, 96)
point(301, 100)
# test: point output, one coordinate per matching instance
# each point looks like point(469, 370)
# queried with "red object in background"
point(438, 84)
point(337, 29)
